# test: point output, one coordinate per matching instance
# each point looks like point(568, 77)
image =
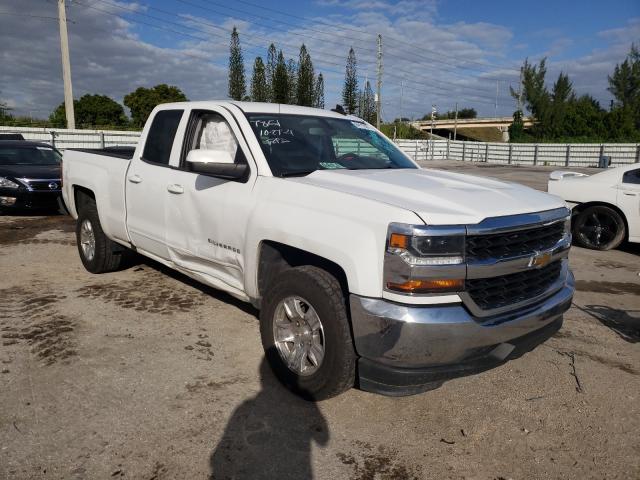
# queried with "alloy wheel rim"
point(299, 335)
point(87, 240)
point(598, 229)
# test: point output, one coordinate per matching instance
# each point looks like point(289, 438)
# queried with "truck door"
point(629, 200)
point(207, 216)
point(146, 184)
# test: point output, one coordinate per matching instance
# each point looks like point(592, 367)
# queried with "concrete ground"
point(145, 374)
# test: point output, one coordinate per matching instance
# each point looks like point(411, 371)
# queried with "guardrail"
point(552, 154)
point(63, 138)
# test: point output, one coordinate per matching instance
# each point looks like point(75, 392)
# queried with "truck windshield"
point(301, 144)
point(28, 155)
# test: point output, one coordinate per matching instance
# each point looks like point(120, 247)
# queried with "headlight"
point(6, 183)
point(428, 250)
point(421, 259)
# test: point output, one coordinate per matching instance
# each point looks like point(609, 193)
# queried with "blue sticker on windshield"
point(331, 165)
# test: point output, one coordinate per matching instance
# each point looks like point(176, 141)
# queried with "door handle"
point(630, 194)
point(135, 179)
point(175, 188)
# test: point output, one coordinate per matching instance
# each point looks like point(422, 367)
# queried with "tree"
point(237, 85)
point(624, 85)
point(4, 111)
point(141, 101)
point(561, 97)
point(292, 81)
point(451, 114)
point(516, 129)
point(350, 89)
point(367, 104)
point(91, 111)
point(280, 86)
point(306, 78)
point(270, 70)
point(318, 94)
point(259, 90)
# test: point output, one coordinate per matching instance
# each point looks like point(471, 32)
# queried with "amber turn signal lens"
point(427, 286)
point(398, 241)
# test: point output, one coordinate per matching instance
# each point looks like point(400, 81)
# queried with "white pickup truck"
point(367, 269)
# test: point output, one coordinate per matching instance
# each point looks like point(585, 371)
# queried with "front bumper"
point(407, 349)
point(25, 199)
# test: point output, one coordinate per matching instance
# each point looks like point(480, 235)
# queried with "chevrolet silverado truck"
point(367, 270)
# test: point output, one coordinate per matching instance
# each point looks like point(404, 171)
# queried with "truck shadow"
point(270, 435)
point(625, 323)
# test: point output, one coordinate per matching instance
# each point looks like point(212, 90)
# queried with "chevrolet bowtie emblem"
point(540, 259)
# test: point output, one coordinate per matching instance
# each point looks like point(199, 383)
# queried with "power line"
point(451, 66)
point(358, 30)
point(33, 16)
point(472, 98)
point(227, 32)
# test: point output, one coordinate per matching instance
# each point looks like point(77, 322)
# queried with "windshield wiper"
point(298, 173)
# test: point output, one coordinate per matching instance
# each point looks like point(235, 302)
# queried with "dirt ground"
point(145, 374)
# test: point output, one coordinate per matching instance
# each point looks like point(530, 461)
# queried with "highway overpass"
point(481, 129)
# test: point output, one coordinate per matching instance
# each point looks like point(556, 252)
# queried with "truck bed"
point(125, 153)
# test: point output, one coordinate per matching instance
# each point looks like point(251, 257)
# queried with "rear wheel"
point(306, 335)
point(97, 252)
point(599, 228)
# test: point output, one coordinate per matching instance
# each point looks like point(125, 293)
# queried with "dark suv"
point(30, 175)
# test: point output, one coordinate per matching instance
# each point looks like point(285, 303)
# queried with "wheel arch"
point(81, 195)
point(580, 207)
point(274, 257)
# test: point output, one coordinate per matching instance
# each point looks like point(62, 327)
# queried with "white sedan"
point(606, 206)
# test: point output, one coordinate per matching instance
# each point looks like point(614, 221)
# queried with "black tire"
point(599, 228)
point(336, 372)
point(108, 255)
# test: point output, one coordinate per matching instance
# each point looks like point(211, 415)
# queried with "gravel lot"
point(145, 374)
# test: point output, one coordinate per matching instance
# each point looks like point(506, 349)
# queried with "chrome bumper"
point(413, 337)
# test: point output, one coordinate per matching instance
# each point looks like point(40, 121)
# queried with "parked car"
point(30, 176)
point(365, 267)
point(605, 206)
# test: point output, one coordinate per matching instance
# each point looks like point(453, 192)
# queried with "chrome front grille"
point(512, 244)
point(42, 184)
point(515, 261)
point(516, 288)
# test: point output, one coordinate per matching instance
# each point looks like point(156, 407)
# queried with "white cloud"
point(436, 63)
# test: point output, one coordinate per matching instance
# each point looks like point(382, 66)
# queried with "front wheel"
point(599, 228)
point(306, 335)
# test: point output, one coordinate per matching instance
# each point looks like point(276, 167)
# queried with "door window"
point(157, 148)
point(632, 176)
point(212, 132)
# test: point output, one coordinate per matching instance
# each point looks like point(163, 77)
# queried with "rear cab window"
point(159, 142)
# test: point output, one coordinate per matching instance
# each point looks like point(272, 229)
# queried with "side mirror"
point(218, 163)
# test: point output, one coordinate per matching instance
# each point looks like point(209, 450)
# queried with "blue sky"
point(435, 52)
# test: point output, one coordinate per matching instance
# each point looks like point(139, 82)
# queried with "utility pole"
point(496, 111)
point(520, 89)
point(401, 98)
point(66, 65)
point(433, 119)
point(455, 124)
point(379, 82)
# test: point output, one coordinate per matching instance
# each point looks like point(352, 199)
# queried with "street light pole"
point(66, 65)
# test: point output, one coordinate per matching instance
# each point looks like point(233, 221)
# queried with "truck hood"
point(31, 171)
point(437, 196)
